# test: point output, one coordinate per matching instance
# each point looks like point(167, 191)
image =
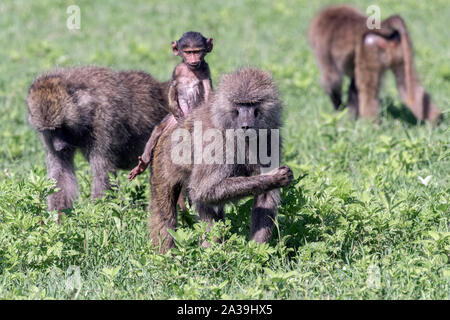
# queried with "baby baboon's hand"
point(138, 169)
point(133, 173)
point(283, 176)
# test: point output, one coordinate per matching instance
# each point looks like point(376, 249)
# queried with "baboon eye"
point(236, 112)
point(256, 113)
point(248, 104)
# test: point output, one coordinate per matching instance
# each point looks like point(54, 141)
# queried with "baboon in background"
point(245, 99)
point(189, 87)
point(107, 115)
point(343, 44)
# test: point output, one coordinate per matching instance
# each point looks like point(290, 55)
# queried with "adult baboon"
point(343, 44)
point(245, 102)
point(107, 115)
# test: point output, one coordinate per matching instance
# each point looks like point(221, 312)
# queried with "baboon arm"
point(232, 188)
point(145, 157)
point(101, 168)
point(174, 106)
point(207, 85)
point(138, 169)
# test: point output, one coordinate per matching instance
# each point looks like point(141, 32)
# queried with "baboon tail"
point(47, 97)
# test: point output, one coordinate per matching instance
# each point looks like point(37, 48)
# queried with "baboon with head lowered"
point(189, 87)
point(245, 100)
point(107, 115)
point(343, 44)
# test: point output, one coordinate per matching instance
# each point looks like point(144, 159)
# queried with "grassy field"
point(360, 222)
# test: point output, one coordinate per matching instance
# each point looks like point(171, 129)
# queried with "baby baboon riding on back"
point(189, 87)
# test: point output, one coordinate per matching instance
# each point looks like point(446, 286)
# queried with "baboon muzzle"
point(246, 117)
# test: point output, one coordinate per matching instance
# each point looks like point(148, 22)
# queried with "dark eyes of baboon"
point(246, 114)
point(198, 51)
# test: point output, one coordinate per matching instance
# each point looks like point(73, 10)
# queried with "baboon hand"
point(283, 176)
point(138, 169)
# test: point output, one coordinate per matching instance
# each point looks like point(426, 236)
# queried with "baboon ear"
point(209, 44)
point(175, 47)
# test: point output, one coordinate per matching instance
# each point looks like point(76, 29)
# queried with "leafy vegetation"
point(368, 216)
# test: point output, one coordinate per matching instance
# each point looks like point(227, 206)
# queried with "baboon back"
point(97, 109)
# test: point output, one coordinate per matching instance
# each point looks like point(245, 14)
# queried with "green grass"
point(358, 224)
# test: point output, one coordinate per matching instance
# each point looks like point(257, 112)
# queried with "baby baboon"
point(246, 101)
point(107, 115)
point(343, 44)
point(189, 87)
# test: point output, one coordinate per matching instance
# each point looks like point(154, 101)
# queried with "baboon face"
point(245, 115)
point(192, 48)
point(250, 104)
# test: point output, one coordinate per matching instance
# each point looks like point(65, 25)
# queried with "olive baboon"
point(245, 100)
point(343, 44)
point(107, 115)
point(189, 87)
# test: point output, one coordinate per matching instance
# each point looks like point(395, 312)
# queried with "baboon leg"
point(431, 112)
point(264, 214)
point(352, 102)
point(414, 103)
point(210, 214)
point(100, 168)
point(334, 91)
point(163, 214)
point(151, 143)
point(331, 81)
point(420, 104)
point(153, 140)
point(181, 203)
point(60, 167)
point(369, 69)
point(367, 86)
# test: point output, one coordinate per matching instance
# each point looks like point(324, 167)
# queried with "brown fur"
point(343, 45)
point(189, 87)
point(210, 186)
point(107, 115)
